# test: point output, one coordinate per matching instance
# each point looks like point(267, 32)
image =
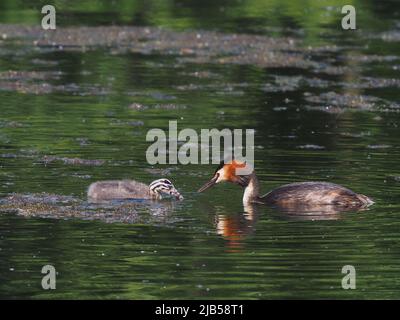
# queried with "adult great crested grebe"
point(289, 196)
point(131, 189)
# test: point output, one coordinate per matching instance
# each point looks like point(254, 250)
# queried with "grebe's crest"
point(164, 187)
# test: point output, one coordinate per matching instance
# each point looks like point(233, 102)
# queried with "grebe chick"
point(131, 189)
point(290, 196)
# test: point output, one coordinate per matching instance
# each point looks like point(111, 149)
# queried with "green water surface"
point(206, 247)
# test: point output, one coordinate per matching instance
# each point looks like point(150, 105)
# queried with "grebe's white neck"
point(251, 191)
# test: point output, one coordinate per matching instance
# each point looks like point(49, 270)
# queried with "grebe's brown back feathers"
point(315, 193)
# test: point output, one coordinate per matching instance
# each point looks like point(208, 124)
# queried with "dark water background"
point(204, 247)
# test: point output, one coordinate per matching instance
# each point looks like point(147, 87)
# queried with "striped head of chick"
point(227, 172)
point(163, 188)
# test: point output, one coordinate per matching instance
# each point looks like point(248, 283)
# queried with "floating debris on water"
point(136, 123)
point(72, 161)
point(8, 155)
point(209, 47)
point(81, 176)
point(82, 141)
point(370, 58)
point(349, 100)
point(169, 106)
point(137, 106)
point(378, 146)
point(161, 172)
point(292, 83)
point(45, 205)
point(166, 106)
point(25, 86)
point(395, 178)
point(10, 124)
point(373, 83)
point(29, 75)
point(202, 74)
point(311, 147)
point(389, 36)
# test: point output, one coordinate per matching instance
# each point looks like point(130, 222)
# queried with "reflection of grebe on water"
point(236, 227)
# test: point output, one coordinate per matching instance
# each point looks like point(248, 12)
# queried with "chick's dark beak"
point(175, 193)
point(209, 184)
